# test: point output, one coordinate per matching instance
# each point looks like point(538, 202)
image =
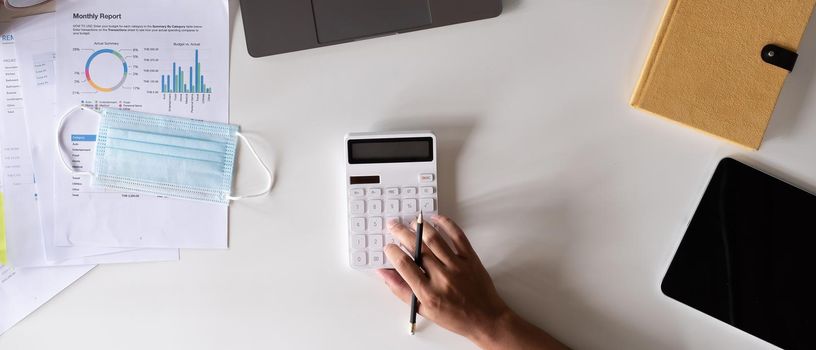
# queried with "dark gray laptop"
point(279, 26)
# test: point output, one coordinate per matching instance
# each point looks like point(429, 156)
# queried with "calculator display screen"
point(397, 150)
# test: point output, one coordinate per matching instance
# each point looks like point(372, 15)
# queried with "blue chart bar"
point(176, 84)
point(197, 74)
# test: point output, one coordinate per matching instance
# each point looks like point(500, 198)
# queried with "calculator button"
point(377, 259)
point(375, 242)
point(358, 224)
point(392, 192)
point(374, 192)
point(409, 205)
point(427, 191)
point(357, 192)
point(375, 224)
point(375, 207)
point(409, 222)
point(392, 206)
point(426, 178)
point(427, 204)
point(409, 191)
point(391, 240)
point(359, 258)
point(358, 242)
point(357, 207)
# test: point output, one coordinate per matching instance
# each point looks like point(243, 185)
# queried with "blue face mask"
point(168, 156)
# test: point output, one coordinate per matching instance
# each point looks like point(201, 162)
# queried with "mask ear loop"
point(270, 178)
point(60, 151)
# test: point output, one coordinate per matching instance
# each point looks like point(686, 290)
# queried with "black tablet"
point(748, 257)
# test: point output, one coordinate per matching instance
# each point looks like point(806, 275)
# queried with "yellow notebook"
point(719, 65)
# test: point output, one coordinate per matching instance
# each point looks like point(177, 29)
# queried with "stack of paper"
point(100, 54)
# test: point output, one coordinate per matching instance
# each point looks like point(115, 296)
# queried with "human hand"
point(455, 290)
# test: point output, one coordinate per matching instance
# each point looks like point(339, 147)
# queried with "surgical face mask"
point(167, 156)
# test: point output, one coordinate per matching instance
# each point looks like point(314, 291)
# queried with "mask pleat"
point(179, 171)
point(167, 150)
point(210, 144)
point(169, 156)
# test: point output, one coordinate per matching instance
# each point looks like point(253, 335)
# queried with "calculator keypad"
point(371, 207)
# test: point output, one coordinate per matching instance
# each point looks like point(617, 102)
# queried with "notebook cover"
point(705, 68)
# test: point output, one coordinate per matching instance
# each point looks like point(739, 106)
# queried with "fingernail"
point(392, 223)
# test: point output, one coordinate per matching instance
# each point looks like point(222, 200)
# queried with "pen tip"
point(413, 328)
point(419, 218)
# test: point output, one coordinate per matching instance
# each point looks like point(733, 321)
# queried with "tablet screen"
point(748, 257)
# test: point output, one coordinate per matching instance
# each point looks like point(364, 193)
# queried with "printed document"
point(24, 290)
point(34, 66)
point(163, 57)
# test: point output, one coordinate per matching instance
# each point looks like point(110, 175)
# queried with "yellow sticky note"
point(2, 233)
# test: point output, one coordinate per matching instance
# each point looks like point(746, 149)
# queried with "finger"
point(405, 235)
point(397, 285)
point(408, 239)
point(436, 243)
point(456, 235)
point(406, 268)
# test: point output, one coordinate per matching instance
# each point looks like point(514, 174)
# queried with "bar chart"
point(190, 83)
point(117, 76)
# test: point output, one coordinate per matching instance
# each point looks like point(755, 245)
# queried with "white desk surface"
point(575, 201)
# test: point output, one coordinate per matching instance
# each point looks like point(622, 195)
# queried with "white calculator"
point(388, 176)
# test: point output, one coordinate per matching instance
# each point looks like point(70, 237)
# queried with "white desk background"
point(575, 201)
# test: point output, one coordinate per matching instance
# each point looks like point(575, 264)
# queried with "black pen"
point(418, 261)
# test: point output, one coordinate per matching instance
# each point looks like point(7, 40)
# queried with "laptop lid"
point(338, 20)
point(280, 26)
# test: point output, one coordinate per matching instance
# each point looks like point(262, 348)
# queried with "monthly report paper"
point(34, 68)
point(164, 57)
